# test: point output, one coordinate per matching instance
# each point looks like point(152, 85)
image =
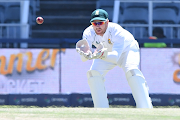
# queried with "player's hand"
point(82, 47)
point(87, 55)
point(101, 54)
point(78, 50)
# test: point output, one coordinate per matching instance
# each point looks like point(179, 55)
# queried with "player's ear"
point(107, 21)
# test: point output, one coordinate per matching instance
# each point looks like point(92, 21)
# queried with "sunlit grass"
point(80, 113)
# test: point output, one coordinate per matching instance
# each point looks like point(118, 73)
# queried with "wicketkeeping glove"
point(82, 47)
point(87, 55)
point(100, 52)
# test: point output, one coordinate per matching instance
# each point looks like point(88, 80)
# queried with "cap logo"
point(97, 12)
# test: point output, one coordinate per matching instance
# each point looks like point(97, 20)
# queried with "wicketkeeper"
point(115, 46)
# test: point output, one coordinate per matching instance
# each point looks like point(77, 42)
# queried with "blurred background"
point(39, 65)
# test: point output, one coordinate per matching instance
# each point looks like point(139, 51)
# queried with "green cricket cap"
point(99, 14)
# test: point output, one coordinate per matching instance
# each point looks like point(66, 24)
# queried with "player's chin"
point(98, 32)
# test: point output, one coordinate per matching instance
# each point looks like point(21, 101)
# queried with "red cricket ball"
point(39, 20)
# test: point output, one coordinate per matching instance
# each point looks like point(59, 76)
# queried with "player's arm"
point(116, 52)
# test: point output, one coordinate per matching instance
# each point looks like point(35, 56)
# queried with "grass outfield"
point(64, 113)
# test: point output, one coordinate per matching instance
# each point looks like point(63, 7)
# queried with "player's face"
point(100, 26)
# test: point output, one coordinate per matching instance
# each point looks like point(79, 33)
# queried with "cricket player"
point(115, 46)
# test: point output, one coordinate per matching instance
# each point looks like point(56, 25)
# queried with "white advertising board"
point(29, 71)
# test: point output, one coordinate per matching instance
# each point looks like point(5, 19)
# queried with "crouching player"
point(115, 46)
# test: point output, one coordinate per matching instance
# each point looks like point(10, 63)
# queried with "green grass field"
point(79, 113)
